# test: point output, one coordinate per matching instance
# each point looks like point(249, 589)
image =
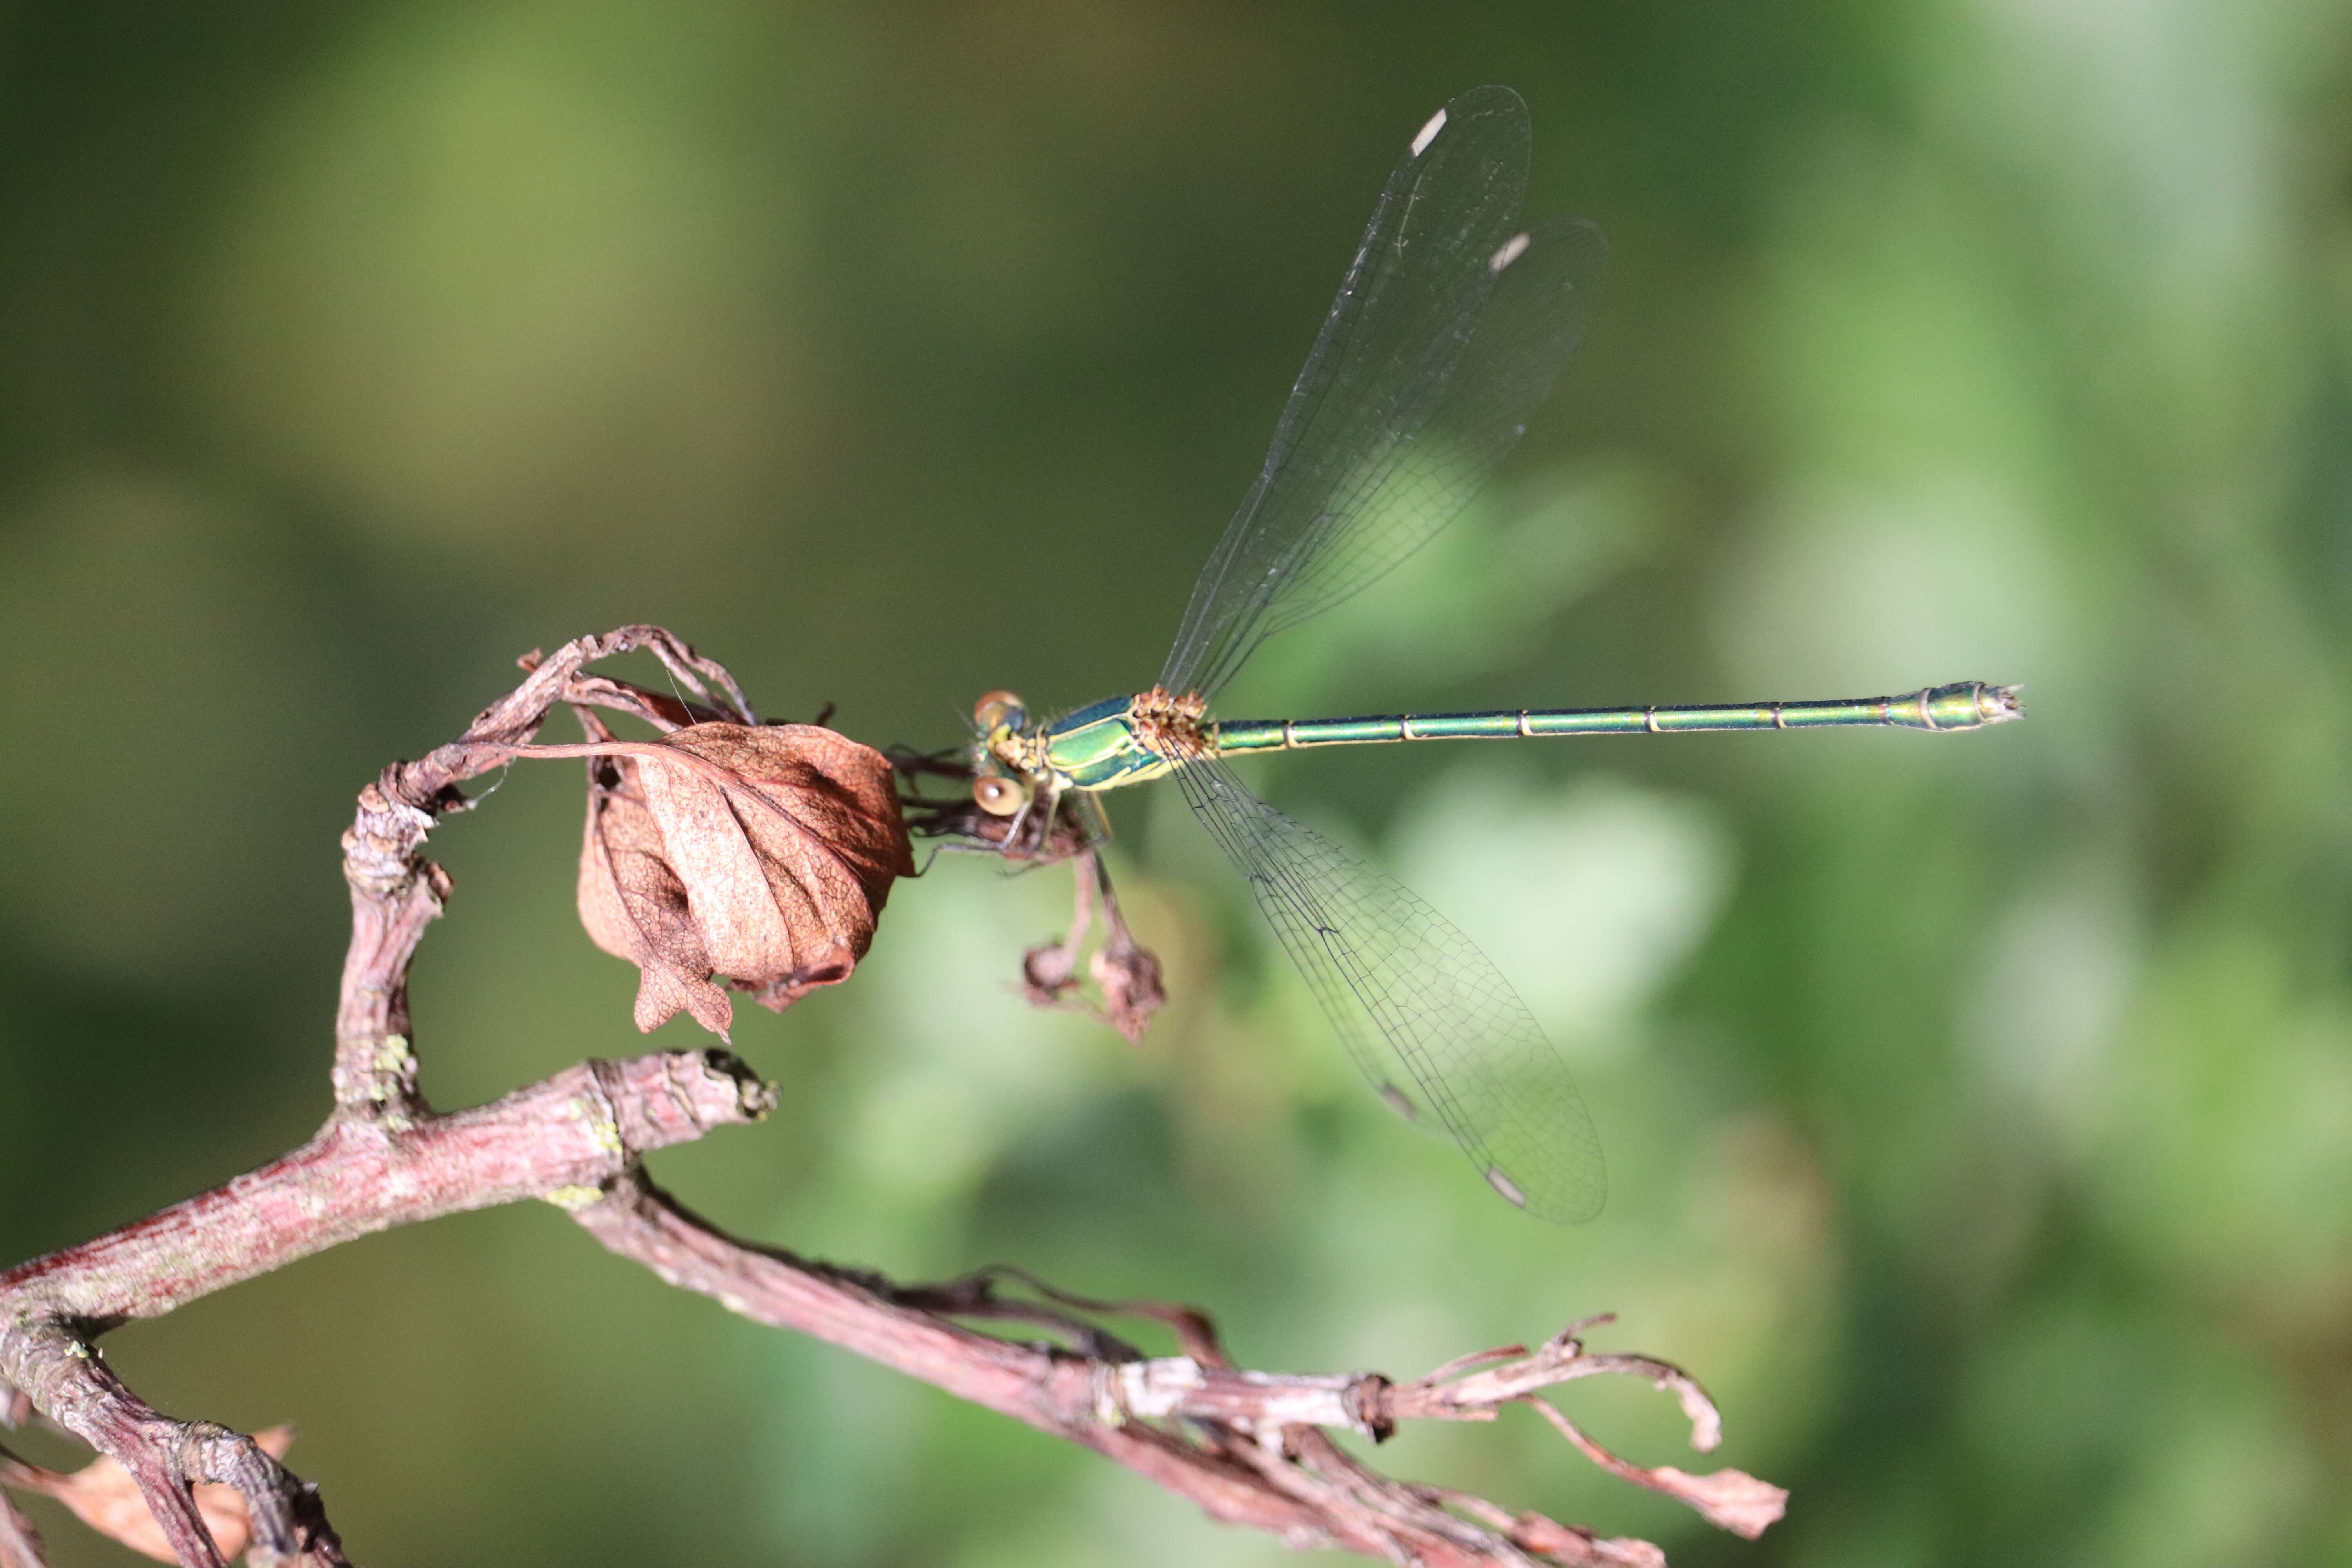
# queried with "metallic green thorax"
point(1097, 748)
point(1103, 746)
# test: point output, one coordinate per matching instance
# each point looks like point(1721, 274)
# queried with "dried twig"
point(20, 1543)
point(1250, 1448)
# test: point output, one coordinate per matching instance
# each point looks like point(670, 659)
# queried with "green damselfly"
point(1450, 329)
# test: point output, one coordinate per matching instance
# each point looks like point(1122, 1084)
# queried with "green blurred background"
point(1980, 1110)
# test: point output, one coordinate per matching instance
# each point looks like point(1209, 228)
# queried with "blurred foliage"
point(1980, 1110)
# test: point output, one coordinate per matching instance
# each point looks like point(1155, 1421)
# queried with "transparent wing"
point(1449, 331)
point(1428, 1017)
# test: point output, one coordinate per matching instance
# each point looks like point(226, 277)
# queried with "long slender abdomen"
point(1964, 705)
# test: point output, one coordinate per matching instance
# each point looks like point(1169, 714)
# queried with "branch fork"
point(1250, 1448)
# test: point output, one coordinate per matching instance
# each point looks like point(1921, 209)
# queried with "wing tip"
point(1428, 133)
point(1582, 1200)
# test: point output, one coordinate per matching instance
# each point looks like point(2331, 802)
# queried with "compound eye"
point(998, 795)
point(998, 709)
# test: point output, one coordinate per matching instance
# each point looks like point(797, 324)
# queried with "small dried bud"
point(1132, 985)
point(1048, 973)
point(763, 855)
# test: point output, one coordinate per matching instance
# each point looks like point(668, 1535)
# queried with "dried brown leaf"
point(104, 1497)
point(763, 855)
point(633, 904)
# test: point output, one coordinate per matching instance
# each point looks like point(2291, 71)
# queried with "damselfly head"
point(998, 795)
point(998, 711)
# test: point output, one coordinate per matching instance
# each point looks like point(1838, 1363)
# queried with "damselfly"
point(1449, 331)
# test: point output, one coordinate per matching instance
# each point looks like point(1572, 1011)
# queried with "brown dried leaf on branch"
point(762, 855)
point(102, 1495)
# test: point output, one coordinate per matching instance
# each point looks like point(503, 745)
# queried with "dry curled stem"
point(1249, 1448)
point(1126, 973)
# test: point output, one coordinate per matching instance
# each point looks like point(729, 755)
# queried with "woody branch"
point(1249, 1448)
